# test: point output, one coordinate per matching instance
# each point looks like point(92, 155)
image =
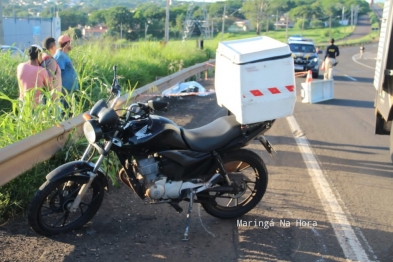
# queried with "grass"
point(319, 36)
point(138, 64)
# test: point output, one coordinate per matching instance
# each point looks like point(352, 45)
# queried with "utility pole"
point(267, 25)
point(342, 16)
point(212, 32)
point(330, 27)
point(351, 15)
point(146, 27)
point(356, 14)
point(168, 2)
point(286, 27)
point(121, 31)
point(223, 23)
point(303, 24)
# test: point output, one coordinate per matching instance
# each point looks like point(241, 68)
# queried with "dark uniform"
point(330, 59)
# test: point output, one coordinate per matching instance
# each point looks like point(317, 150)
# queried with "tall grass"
point(137, 65)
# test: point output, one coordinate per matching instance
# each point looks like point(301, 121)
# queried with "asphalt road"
point(346, 190)
point(328, 199)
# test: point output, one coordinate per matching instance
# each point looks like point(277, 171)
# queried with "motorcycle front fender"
point(76, 168)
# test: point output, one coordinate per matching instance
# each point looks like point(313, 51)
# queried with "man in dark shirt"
point(330, 59)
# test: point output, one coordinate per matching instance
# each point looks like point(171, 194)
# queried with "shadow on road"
point(358, 79)
point(349, 103)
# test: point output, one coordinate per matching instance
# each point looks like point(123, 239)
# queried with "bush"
point(373, 18)
point(315, 23)
point(299, 24)
point(138, 64)
point(325, 33)
point(335, 23)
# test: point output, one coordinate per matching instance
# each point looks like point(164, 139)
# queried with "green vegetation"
point(138, 64)
point(135, 20)
point(374, 20)
point(319, 36)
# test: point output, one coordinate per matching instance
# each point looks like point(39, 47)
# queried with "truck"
point(383, 78)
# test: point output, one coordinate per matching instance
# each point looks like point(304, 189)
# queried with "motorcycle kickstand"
point(192, 195)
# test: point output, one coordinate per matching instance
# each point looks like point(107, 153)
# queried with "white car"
point(13, 49)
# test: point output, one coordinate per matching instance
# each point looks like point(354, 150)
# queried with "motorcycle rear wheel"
point(48, 212)
point(248, 170)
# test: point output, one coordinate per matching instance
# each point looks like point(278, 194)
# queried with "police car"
point(305, 55)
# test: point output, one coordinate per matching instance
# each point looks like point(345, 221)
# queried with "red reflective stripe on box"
point(256, 92)
point(290, 88)
point(274, 90)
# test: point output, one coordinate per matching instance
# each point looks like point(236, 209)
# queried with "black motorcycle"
point(160, 160)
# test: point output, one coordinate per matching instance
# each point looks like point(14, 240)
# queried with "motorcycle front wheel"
point(248, 171)
point(49, 211)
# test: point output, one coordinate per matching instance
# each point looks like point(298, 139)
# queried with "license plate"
point(298, 67)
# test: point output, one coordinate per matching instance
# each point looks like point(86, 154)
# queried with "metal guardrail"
point(23, 155)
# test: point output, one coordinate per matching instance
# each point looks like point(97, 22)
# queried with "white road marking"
point(350, 77)
point(345, 234)
point(356, 61)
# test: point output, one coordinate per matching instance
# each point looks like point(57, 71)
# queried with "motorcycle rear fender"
point(76, 168)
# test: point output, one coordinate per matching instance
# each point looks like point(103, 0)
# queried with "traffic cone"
point(309, 77)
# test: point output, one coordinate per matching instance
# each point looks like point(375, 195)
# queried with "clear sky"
point(209, 1)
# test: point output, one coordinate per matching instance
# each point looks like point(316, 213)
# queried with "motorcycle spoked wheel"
point(48, 212)
point(246, 169)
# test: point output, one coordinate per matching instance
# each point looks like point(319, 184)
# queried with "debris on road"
point(191, 88)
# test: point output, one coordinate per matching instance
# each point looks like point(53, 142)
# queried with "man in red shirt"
point(31, 76)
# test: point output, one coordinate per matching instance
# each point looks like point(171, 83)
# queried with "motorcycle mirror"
point(100, 104)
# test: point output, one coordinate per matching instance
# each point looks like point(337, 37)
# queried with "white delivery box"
point(255, 79)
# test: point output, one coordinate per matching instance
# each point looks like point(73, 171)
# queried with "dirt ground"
point(129, 229)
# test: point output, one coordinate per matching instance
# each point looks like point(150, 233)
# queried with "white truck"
point(383, 79)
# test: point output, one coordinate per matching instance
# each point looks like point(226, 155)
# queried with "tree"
point(97, 17)
point(72, 18)
point(119, 19)
point(253, 10)
point(280, 6)
point(304, 13)
point(331, 8)
point(179, 23)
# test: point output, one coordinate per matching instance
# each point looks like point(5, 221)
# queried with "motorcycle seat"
point(214, 135)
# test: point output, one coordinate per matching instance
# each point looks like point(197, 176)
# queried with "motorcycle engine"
point(156, 185)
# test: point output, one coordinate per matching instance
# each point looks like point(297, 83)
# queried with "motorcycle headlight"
point(92, 131)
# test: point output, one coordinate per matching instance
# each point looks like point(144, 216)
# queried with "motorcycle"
point(160, 160)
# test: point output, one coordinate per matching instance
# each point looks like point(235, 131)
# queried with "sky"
point(209, 1)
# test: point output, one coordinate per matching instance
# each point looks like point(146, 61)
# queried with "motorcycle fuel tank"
point(155, 133)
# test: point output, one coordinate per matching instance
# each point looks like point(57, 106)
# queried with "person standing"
point(361, 51)
point(68, 73)
point(332, 52)
point(50, 64)
point(69, 77)
point(32, 76)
